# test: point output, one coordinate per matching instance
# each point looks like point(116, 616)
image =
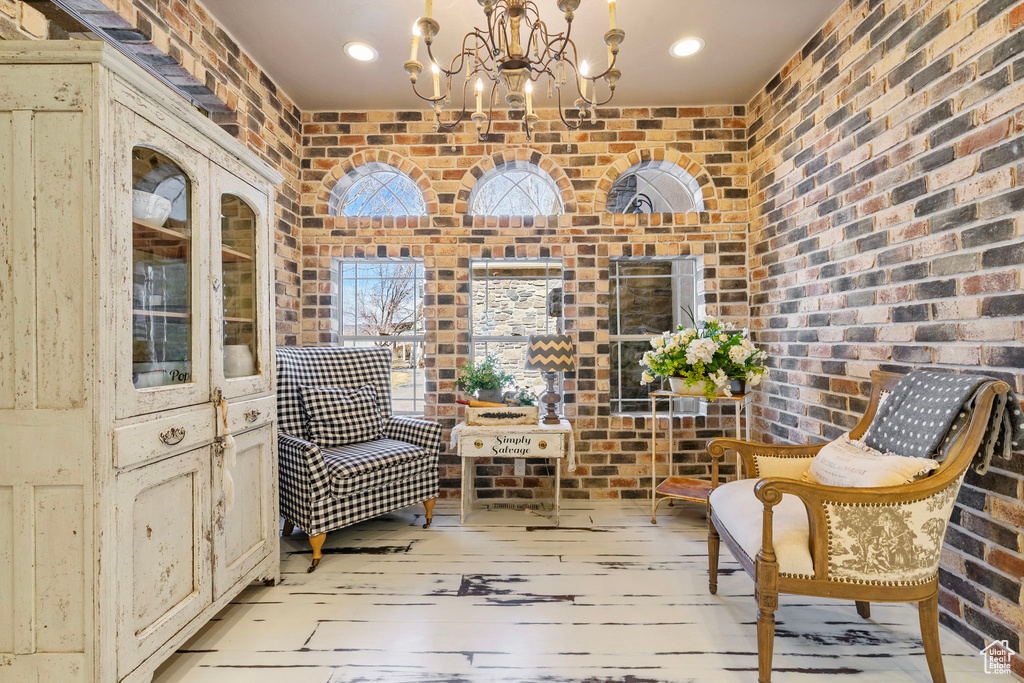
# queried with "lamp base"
point(550, 399)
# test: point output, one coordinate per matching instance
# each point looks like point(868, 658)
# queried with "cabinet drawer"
point(513, 445)
point(244, 415)
point(164, 436)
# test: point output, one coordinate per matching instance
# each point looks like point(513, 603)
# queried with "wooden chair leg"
point(864, 609)
point(928, 613)
point(429, 505)
point(714, 542)
point(289, 527)
point(318, 543)
point(765, 644)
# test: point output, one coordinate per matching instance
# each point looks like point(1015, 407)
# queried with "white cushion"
point(740, 514)
point(845, 462)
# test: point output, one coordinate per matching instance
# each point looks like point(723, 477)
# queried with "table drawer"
point(513, 445)
point(164, 436)
point(246, 415)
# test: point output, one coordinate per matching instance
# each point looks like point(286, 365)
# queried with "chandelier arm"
point(561, 114)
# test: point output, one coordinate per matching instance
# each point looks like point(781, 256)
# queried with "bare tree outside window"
point(381, 304)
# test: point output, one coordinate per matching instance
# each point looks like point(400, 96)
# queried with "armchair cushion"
point(336, 416)
point(845, 462)
point(739, 514)
point(360, 466)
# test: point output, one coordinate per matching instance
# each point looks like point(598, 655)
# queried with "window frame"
point(681, 299)
point(343, 188)
point(516, 165)
point(416, 338)
point(486, 339)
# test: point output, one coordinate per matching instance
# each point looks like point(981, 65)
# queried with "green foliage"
point(484, 375)
point(705, 352)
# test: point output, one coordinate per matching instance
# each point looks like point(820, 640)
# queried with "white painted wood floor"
point(606, 598)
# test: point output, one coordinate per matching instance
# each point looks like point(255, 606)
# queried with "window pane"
point(382, 299)
point(376, 189)
point(655, 187)
point(511, 299)
point(627, 391)
point(516, 188)
point(511, 356)
point(642, 299)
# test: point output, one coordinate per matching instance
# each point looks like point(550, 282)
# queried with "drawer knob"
point(251, 415)
point(542, 445)
point(172, 436)
point(478, 443)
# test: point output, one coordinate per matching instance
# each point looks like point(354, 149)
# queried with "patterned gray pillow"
point(338, 416)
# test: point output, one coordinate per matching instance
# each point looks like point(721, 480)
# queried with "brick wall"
point(709, 142)
point(886, 197)
point(263, 116)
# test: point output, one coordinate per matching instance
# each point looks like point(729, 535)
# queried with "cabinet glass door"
point(162, 265)
point(241, 298)
point(238, 268)
point(160, 270)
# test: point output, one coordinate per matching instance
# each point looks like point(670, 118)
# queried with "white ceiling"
point(298, 43)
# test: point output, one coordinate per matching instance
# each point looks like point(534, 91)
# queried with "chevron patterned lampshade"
point(550, 353)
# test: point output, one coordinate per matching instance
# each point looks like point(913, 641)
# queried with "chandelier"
point(514, 51)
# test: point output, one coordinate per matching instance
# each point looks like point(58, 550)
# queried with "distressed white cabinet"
point(135, 290)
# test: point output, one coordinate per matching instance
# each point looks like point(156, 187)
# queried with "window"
point(648, 297)
point(380, 303)
point(515, 188)
point(655, 187)
point(510, 301)
point(376, 189)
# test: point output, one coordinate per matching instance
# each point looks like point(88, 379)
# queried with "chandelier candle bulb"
point(415, 42)
point(584, 71)
point(529, 98)
point(430, 8)
point(437, 79)
point(611, 12)
point(479, 95)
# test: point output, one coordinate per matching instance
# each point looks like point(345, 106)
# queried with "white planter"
point(238, 361)
point(149, 207)
point(678, 386)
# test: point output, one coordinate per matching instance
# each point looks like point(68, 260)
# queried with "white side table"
point(513, 441)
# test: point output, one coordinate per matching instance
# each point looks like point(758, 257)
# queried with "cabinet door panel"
point(241, 343)
point(247, 532)
point(162, 272)
point(163, 524)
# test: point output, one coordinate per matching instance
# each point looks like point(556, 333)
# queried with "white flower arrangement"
point(704, 352)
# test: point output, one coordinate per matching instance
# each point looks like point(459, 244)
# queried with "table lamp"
point(551, 354)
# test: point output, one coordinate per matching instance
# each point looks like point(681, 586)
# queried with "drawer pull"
point(478, 443)
point(542, 445)
point(173, 436)
point(251, 415)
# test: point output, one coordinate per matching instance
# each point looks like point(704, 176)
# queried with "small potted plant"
point(704, 359)
point(484, 380)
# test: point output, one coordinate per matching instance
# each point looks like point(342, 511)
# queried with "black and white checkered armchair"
point(327, 489)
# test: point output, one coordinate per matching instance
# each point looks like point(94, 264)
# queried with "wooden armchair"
point(861, 544)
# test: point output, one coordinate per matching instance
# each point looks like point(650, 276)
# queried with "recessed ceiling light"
point(361, 52)
point(687, 47)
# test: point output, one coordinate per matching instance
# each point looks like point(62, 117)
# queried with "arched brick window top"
point(376, 189)
point(515, 188)
point(655, 186)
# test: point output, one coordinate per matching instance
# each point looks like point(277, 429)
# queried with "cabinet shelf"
point(159, 314)
point(229, 255)
point(233, 319)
